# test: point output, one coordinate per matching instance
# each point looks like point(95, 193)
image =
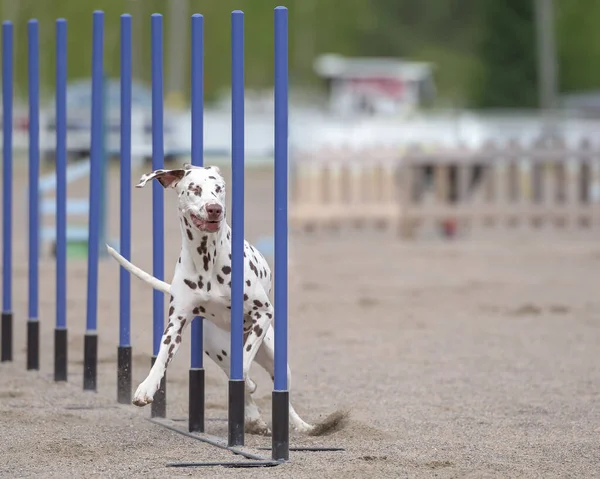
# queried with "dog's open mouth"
point(205, 225)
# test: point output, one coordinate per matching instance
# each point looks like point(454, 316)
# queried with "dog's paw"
point(144, 395)
point(258, 427)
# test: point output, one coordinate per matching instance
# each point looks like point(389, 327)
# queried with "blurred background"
point(365, 75)
point(464, 63)
point(479, 53)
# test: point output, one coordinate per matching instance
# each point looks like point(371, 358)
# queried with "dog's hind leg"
point(179, 318)
point(265, 357)
point(217, 347)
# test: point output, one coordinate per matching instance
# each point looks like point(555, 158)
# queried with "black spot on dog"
point(245, 297)
point(189, 234)
point(248, 282)
point(226, 269)
point(190, 284)
point(253, 268)
point(220, 279)
point(224, 352)
point(219, 357)
point(258, 303)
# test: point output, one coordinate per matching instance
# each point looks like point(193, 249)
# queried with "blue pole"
point(95, 213)
point(236, 376)
point(281, 197)
point(33, 71)
point(158, 246)
point(60, 347)
point(197, 148)
point(196, 375)
point(237, 192)
point(7, 176)
point(280, 398)
point(125, 165)
point(124, 361)
point(61, 173)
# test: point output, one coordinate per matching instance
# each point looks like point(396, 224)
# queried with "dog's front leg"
point(261, 312)
point(179, 318)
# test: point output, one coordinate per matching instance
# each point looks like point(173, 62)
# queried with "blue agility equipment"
point(124, 349)
point(7, 177)
point(236, 377)
point(96, 224)
point(33, 74)
point(197, 374)
point(280, 400)
point(60, 332)
point(159, 405)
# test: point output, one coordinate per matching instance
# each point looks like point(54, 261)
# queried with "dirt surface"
point(459, 359)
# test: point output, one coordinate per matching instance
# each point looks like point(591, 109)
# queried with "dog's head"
point(201, 192)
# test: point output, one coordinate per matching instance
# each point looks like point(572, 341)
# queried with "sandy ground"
point(473, 358)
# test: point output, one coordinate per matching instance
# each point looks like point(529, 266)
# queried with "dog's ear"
point(167, 178)
point(214, 168)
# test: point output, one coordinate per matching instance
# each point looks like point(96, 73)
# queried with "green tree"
point(508, 55)
point(578, 46)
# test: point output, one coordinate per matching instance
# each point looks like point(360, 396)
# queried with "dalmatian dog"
point(201, 286)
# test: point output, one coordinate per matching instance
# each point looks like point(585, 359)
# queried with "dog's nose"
point(214, 210)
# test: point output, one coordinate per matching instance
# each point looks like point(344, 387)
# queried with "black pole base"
point(60, 354)
point(6, 329)
point(280, 448)
point(237, 390)
point(90, 362)
point(33, 344)
point(196, 400)
point(124, 374)
point(158, 407)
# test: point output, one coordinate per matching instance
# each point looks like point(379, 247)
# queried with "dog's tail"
point(140, 273)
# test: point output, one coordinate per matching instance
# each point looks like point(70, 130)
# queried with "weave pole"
point(197, 374)
point(280, 395)
point(236, 375)
point(7, 177)
point(90, 349)
point(60, 332)
point(33, 72)
point(159, 405)
point(124, 351)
